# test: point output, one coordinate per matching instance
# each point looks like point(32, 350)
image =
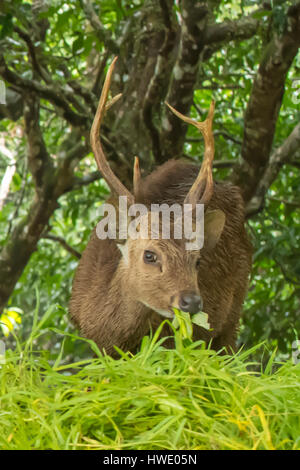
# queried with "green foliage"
point(184, 398)
point(272, 306)
point(51, 268)
point(184, 321)
point(53, 395)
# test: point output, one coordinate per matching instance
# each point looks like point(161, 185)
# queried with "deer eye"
point(198, 261)
point(150, 257)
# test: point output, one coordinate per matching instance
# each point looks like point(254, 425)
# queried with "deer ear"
point(214, 222)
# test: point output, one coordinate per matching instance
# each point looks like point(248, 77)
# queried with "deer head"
point(160, 273)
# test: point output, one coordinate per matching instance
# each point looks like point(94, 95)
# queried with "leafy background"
point(271, 310)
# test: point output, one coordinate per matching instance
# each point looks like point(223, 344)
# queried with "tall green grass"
point(186, 398)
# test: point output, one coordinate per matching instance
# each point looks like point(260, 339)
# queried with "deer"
point(123, 289)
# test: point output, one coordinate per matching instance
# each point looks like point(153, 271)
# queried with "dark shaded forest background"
point(53, 59)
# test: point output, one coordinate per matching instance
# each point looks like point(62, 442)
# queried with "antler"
point(137, 177)
point(111, 179)
point(203, 185)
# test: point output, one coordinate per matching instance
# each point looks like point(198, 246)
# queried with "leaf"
point(78, 43)
point(6, 25)
point(63, 20)
point(16, 182)
point(201, 319)
point(260, 14)
point(15, 309)
point(183, 320)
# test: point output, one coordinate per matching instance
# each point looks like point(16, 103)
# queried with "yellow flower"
point(10, 319)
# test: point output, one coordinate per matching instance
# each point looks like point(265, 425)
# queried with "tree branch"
point(63, 243)
point(286, 275)
point(8, 174)
point(50, 184)
point(39, 161)
point(279, 157)
point(103, 34)
point(100, 70)
point(32, 51)
point(155, 88)
point(181, 89)
point(87, 179)
point(243, 28)
point(52, 92)
point(295, 204)
point(264, 104)
point(295, 163)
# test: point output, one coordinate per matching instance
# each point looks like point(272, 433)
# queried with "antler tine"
point(136, 176)
point(100, 157)
point(203, 185)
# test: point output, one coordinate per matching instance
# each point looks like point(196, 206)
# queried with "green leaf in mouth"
point(184, 321)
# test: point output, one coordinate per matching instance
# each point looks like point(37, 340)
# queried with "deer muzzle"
point(190, 302)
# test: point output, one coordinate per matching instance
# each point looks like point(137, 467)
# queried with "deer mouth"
point(164, 313)
point(167, 313)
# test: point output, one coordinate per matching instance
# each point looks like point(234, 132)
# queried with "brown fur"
point(108, 297)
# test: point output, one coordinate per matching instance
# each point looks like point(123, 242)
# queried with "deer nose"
point(190, 302)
